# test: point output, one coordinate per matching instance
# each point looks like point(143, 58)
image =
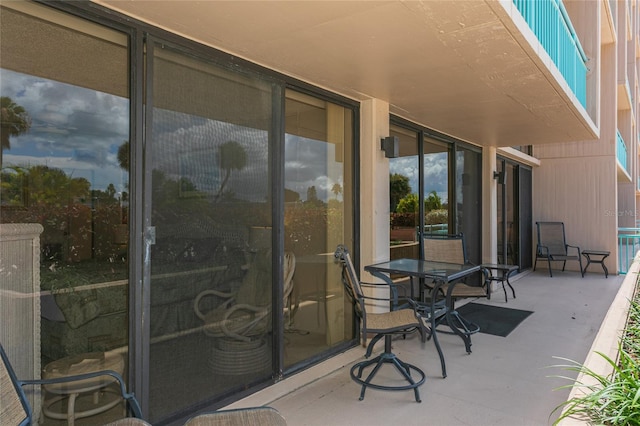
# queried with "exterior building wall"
point(374, 186)
point(489, 207)
point(575, 180)
point(579, 183)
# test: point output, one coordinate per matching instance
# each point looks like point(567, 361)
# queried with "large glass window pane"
point(403, 195)
point(508, 223)
point(317, 217)
point(468, 200)
point(211, 265)
point(438, 218)
point(64, 193)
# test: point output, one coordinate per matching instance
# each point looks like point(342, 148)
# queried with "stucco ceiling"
point(460, 67)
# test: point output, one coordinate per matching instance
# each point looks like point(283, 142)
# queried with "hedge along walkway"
point(608, 338)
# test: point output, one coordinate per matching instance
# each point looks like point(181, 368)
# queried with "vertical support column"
point(374, 187)
point(489, 206)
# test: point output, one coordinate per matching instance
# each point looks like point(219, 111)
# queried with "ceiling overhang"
point(463, 68)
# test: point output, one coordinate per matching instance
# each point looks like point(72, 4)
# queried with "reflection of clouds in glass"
point(186, 146)
point(73, 128)
point(308, 163)
point(435, 172)
point(406, 166)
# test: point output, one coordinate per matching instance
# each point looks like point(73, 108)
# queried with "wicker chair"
point(387, 324)
point(15, 407)
point(552, 246)
point(254, 416)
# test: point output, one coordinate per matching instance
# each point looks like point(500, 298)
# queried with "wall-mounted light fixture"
point(501, 177)
point(391, 146)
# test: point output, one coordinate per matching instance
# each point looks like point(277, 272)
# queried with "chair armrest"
point(542, 250)
point(134, 406)
point(393, 296)
point(260, 313)
point(196, 303)
point(575, 247)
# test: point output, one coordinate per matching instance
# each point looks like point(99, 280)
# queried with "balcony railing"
point(621, 151)
point(549, 21)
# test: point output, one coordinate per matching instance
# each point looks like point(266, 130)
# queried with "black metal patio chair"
point(452, 249)
point(386, 324)
point(552, 246)
point(15, 408)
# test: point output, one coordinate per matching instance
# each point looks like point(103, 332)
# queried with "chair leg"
point(372, 343)
point(580, 260)
point(387, 357)
point(549, 262)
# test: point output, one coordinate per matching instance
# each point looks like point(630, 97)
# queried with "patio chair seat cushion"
point(400, 319)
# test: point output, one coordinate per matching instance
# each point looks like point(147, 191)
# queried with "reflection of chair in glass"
point(240, 322)
point(245, 314)
point(387, 324)
point(16, 410)
point(552, 246)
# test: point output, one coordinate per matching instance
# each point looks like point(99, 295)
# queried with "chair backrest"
point(552, 236)
point(255, 416)
point(14, 406)
point(350, 278)
point(444, 248)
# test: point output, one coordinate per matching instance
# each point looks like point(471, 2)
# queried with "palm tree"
point(232, 157)
point(14, 121)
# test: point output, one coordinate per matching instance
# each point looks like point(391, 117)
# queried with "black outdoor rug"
point(491, 319)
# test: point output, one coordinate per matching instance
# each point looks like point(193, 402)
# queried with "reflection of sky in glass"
point(79, 130)
point(310, 162)
point(74, 129)
point(435, 172)
point(187, 146)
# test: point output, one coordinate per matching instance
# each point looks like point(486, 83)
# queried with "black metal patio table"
point(440, 273)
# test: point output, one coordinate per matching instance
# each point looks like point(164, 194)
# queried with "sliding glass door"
point(318, 202)
point(212, 269)
point(64, 193)
point(434, 188)
point(515, 215)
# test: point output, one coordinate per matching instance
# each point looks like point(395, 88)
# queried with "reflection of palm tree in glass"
point(232, 157)
point(123, 155)
point(14, 121)
point(336, 189)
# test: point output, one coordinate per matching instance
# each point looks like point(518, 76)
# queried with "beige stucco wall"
point(576, 182)
point(374, 188)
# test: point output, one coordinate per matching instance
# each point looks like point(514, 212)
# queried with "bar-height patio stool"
point(387, 324)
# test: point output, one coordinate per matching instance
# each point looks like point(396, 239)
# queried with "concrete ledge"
point(608, 337)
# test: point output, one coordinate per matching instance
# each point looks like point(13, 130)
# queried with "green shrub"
point(435, 217)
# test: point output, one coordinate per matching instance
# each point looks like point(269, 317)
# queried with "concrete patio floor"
point(504, 381)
